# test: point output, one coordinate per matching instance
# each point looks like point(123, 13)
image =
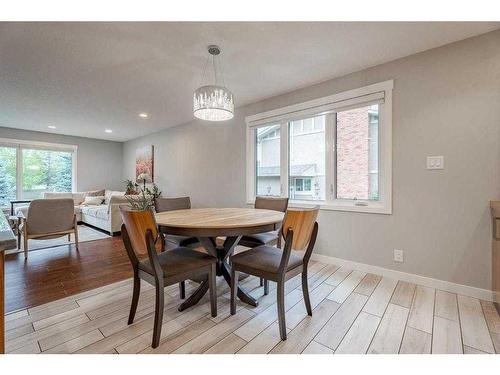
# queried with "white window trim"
point(20, 144)
point(333, 103)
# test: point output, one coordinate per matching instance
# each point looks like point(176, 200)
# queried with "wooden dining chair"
point(141, 237)
point(267, 238)
point(299, 230)
point(172, 204)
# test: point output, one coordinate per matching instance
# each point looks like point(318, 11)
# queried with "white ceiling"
point(87, 77)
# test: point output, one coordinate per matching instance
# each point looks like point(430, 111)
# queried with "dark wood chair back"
point(137, 223)
point(271, 203)
point(171, 204)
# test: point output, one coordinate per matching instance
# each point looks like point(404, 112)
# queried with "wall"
point(446, 102)
point(99, 163)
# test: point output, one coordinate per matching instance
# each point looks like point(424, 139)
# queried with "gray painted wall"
point(446, 102)
point(99, 163)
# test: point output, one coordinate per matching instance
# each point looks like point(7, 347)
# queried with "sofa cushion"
point(110, 193)
point(99, 212)
point(53, 195)
point(77, 197)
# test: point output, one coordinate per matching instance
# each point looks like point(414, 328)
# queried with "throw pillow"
point(93, 201)
point(95, 193)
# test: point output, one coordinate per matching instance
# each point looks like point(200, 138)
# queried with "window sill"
point(346, 207)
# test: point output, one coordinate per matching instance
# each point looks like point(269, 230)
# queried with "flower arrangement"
point(144, 199)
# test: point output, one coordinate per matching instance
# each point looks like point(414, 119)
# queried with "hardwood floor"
point(58, 272)
point(353, 312)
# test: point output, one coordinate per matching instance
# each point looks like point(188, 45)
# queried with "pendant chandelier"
point(213, 102)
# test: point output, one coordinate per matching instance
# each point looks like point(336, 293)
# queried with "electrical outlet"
point(398, 256)
point(435, 162)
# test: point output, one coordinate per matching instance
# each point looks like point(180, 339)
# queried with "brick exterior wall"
point(353, 158)
point(352, 154)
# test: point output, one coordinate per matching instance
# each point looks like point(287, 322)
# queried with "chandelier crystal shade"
point(213, 102)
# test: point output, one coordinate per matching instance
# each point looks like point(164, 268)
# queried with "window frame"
point(330, 105)
point(19, 145)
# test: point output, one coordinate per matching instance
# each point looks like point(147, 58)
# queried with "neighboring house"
point(357, 157)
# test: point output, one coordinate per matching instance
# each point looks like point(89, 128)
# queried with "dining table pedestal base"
point(222, 253)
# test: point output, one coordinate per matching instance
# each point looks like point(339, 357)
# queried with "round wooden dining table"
point(207, 224)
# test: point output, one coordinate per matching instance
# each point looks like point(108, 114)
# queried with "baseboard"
point(447, 286)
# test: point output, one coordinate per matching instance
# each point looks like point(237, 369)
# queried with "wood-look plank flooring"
point(353, 312)
point(54, 273)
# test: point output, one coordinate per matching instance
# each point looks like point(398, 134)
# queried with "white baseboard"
point(447, 286)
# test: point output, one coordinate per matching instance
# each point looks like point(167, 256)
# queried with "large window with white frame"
point(29, 169)
point(334, 151)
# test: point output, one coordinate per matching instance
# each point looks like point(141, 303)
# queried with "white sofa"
point(105, 216)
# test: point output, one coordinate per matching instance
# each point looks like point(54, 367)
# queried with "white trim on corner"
point(447, 286)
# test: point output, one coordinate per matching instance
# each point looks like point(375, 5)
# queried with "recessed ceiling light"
point(108, 131)
point(143, 115)
point(51, 127)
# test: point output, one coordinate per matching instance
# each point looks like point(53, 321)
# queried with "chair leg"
point(305, 292)
point(261, 283)
point(182, 289)
point(69, 237)
point(135, 299)
point(281, 309)
point(76, 238)
point(158, 314)
point(266, 287)
point(25, 239)
point(234, 290)
point(213, 290)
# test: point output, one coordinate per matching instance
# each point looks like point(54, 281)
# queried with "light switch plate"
point(435, 162)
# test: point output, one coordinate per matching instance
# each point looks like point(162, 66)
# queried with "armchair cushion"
point(99, 212)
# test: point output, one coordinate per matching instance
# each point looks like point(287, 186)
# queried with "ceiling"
point(84, 78)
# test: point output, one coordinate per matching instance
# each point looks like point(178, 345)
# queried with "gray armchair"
point(47, 219)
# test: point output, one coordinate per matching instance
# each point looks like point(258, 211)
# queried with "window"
point(267, 168)
point(8, 157)
point(44, 171)
point(357, 154)
point(28, 169)
point(334, 151)
point(302, 185)
point(306, 158)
